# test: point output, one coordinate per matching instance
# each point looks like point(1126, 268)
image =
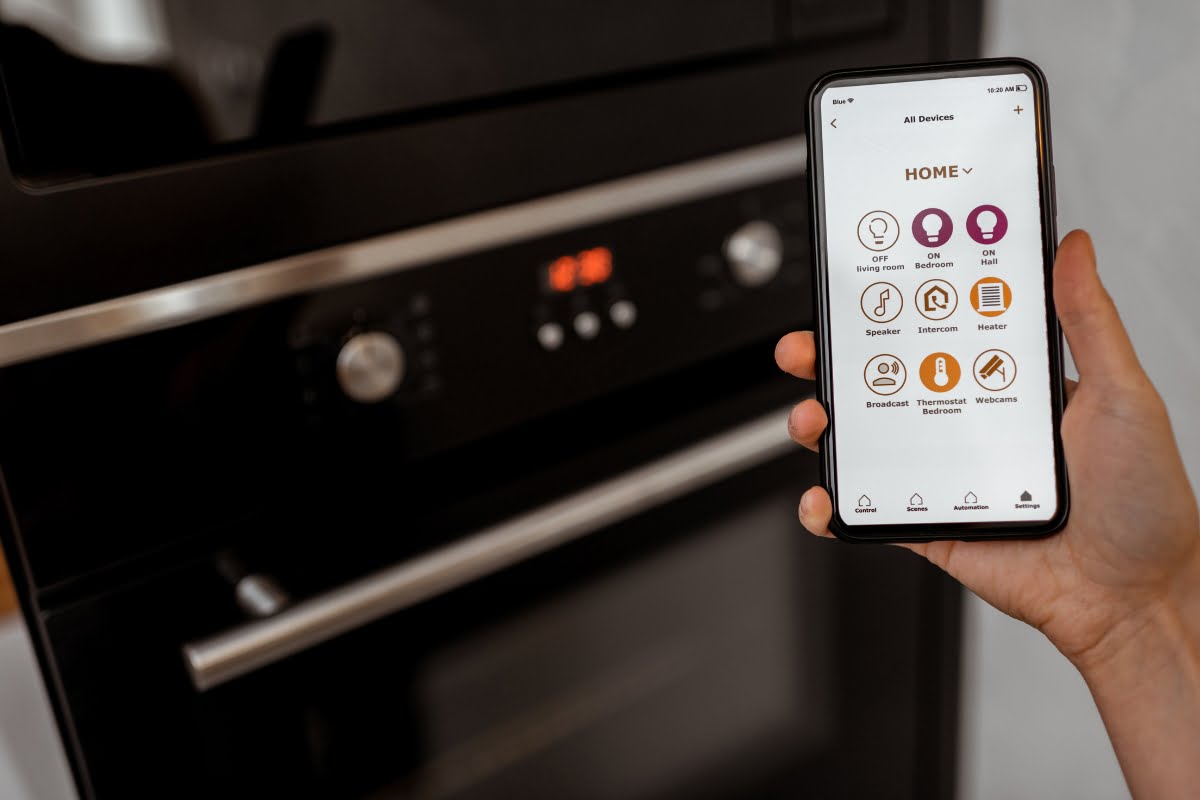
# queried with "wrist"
point(1144, 675)
point(1155, 631)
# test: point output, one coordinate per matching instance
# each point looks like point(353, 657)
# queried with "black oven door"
point(696, 643)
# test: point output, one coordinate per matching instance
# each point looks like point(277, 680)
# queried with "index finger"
point(796, 354)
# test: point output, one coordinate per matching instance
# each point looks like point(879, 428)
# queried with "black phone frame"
point(916, 532)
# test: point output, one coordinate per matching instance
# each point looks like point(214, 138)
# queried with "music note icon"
point(881, 309)
point(881, 302)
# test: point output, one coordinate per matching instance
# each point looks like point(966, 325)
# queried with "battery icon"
point(1022, 87)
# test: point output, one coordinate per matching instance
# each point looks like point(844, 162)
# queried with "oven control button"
point(550, 336)
point(370, 367)
point(587, 324)
point(754, 253)
point(623, 313)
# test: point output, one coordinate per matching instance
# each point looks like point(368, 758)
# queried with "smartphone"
point(939, 351)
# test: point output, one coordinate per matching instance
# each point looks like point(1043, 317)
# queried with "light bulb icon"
point(932, 227)
point(987, 224)
point(878, 228)
point(932, 224)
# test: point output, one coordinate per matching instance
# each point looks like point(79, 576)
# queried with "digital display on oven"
point(586, 268)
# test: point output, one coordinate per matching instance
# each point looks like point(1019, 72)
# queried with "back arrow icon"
point(833, 122)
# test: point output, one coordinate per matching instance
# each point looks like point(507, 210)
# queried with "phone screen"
point(938, 334)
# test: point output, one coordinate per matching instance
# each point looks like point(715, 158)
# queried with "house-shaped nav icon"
point(916, 500)
point(936, 299)
point(970, 499)
point(864, 501)
point(1026, 497)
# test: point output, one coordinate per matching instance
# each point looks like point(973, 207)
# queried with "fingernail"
point(804, 503)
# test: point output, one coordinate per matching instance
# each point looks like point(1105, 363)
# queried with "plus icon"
point(1018, 109)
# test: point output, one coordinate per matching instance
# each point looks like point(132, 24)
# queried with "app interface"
point(937, 306)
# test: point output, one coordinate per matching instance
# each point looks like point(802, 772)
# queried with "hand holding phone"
point(1118, 590)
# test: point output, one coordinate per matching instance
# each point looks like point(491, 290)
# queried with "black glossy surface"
point(108, 237)
point(349, 717)
point(234, 72)
point(157, 440)
point(142, 475)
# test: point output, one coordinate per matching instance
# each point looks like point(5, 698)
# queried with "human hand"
point(1132, 544)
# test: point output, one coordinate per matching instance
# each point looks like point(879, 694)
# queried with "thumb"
point(1098, 340)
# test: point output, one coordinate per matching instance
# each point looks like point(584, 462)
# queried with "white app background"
point(908, 450)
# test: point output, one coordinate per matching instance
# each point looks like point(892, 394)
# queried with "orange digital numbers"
point(587, 268)
point(595, 266)
point(562, 274)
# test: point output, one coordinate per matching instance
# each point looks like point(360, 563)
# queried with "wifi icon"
point(885, 374)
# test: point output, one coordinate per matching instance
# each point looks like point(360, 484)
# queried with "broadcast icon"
point(994, 370)
point(885, 374)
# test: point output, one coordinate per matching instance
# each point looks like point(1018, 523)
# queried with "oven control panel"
point(391, 375)
point(434, 356)
point(579, 297)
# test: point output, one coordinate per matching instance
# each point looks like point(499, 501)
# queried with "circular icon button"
point(991, 297)
point(885, 374)
point(936, 299)
point(940, 372)
point(881, 302)
point(987, 224)
point(878, 231)
point(932, 227)
point(994, 370)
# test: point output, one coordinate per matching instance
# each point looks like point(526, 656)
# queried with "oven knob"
point(370, 367)
point(754, 253)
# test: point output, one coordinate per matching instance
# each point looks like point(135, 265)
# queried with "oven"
point(388, 406)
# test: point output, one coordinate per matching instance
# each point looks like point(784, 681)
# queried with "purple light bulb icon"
point(932, 224)
point(987, 224)
point(932, 227)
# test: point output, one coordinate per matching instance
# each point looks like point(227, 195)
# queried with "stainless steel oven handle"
point(220, 658)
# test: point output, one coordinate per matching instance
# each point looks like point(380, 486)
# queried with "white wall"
point(1126, 124)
